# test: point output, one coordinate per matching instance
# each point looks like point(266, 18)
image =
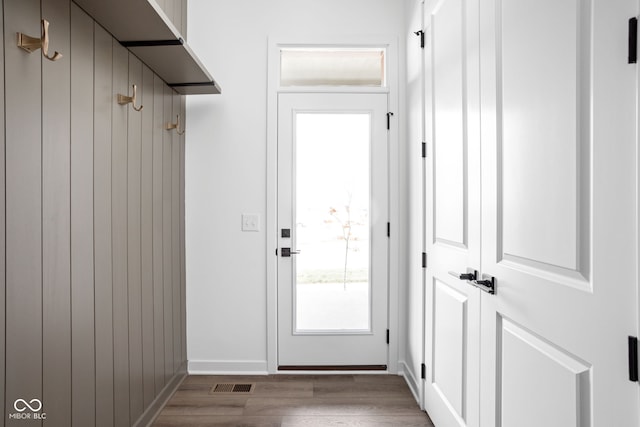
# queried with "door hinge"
point(388, 229)
point(424, 150)
point(423, 371)
point(421, 34)
point(424, 260)
point(387, 336)
point(633, 40)
point(389, 114)
point(633, 359)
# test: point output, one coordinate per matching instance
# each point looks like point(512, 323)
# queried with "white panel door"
point(332, 231)
point(452, 183)
point(558, 213)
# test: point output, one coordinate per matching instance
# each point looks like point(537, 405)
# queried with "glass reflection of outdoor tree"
point(344, 220)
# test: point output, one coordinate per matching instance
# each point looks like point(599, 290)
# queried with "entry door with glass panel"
point(332, 230)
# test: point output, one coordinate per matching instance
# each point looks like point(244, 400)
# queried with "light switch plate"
point(250, 222)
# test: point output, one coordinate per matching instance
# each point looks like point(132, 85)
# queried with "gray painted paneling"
point(167, 7)
point(158, 229)
point(183, 291)
point(177, 15)
point(175, 239)
point(56, 218)
point(167, 244)
point(103, 103)
point(134, 147)
point(183, 30)
point(91, 226)
point(82, 257)
point(23, 170)
point(146, 213)
point(119, 236)
point(2, 222)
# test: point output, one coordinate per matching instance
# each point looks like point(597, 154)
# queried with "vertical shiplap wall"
point(146, 232)
point(2, 223)
point(158, 233)
point(167, 235)
point(56, 220)
point(93, 290)
point(23, 198)
point(134, 255)
point(119, 236)
point(83, 343)
point(176, 11)
point(103, 273)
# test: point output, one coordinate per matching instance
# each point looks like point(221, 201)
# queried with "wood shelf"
point(143, 27)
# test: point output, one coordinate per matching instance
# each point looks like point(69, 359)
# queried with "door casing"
point(390, 42)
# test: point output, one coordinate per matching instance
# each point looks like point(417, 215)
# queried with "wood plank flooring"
point(295, 401)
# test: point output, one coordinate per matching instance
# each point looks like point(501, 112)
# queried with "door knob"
point(287, 252)
point(469, 275)
point(487, 284)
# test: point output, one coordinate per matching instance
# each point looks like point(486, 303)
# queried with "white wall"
point(413, 202)
point(226, 163)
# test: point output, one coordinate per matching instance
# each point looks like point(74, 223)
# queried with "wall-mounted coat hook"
point(31, 44)
point(123, 100)
point(175, 126)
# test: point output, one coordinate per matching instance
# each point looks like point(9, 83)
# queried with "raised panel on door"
point(23, 210)
point(119, 237)
point(558, 172)
point(134, 268)
point(450, 350)
point(102, 220)
point(146, 221)
point(57, 298)
point(83, 368)
point(158, 228)
point(545, 128)
point(552, 379)
point(452, 212)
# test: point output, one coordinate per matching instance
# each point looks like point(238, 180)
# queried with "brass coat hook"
point(175, 126)
point(30, 44)
point(123, 100)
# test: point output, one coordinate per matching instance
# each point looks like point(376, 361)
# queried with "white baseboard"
point(412, 381)
point(228, 367)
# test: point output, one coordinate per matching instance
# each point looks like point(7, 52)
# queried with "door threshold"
point(334, 368)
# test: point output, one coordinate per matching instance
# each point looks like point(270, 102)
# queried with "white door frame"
point(273, 88)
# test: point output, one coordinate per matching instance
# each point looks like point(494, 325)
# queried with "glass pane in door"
point(332, 193)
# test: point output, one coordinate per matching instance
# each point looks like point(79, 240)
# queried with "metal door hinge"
point(633, 359)
point(423, 371)
point(387, 336)
point(633, 40)
point(424, 150)
point(389, 114)
point(424, 260)
point(421, 34)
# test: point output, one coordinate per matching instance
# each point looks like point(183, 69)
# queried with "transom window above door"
point(326, 66)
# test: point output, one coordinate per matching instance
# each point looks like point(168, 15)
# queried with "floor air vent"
point(232, 388)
